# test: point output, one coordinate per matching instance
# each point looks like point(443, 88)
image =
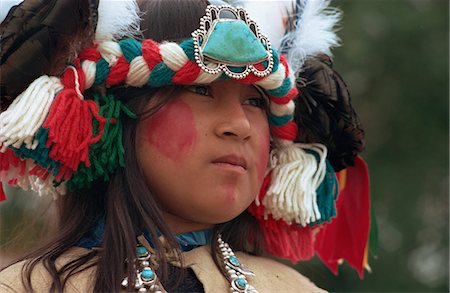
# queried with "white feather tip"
point(315, 32)
point(117, 19)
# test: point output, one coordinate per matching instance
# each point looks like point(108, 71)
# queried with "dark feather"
point(41, 37)
point(324, 112)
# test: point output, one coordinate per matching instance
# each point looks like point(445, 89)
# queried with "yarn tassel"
point(20, 122)
point(288, 241)
point(296, 175)
point(107, 154)
point(327, 194)
point(2, 192)
point(346, 237)
point(11, 166)
point(70, 123)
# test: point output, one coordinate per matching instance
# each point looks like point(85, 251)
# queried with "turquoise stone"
point(242, 283)
point(233, 43)
point(234, 260)
point(141, 251)
point(147, 274)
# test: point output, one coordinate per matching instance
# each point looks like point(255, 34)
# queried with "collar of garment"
point(188, 240)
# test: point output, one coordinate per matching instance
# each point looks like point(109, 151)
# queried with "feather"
point(117, 19)
point(314, 32)
point(270, 17)
point(41, 37)
point(6, 6)
point(324, 112)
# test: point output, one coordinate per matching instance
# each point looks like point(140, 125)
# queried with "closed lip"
point(232, 161)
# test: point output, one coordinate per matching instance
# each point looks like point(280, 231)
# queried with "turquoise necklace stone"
point(233, 43)
point(146, 279)
point(234, 271)
point(234, 260)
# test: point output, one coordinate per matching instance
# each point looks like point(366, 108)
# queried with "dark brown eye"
point(199, 89)
point(259, 102)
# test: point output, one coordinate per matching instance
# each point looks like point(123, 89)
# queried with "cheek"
point(264, 141)
point(172, 130)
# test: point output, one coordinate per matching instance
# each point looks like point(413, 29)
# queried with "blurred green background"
point(395, 60)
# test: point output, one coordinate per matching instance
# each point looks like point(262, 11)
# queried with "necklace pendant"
point(146, 279)
point(234, 271)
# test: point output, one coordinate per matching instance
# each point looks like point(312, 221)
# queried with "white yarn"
point(27, 181)
point(139, 72)
point(89, 68)
point(173, 56)
point(314, 33)
point(296, 175)
point(20, 122)
point(45, 187)
point(284, 109)
point(110, 51)
point(206, 78)
point(117, 19)
point(274, 80)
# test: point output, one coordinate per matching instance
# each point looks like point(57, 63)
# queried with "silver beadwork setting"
point(200, 36)
point(146, 278)
point(236, 273)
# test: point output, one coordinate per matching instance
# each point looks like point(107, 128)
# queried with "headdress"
point(54, 136)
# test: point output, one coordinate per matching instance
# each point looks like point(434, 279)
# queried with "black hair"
point(126, 202)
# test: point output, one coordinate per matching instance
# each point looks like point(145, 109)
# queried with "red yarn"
point(292, 94)
point(64, 173)
point(288, 241)
point(70, 125)
point(90, 54)
point(347, 236)
point(68, 79)
point(288, 131)
point(2, 193)
point(251, 78)
point(187, 74)
point(150, 53)
point(40, 172)
point(255, 210)
point(283, 60)
point(8, 160)
point(118, 72)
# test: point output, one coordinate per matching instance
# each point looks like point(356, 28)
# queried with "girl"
point(170, 154)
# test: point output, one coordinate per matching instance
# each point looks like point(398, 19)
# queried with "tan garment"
point(271, 276)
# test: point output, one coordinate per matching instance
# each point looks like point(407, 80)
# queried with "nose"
point(233, 122)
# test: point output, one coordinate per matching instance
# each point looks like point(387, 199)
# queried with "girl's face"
point(205, 152)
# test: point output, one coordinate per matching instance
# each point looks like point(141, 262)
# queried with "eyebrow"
point(261, 91)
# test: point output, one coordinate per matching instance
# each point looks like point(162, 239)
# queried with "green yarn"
point(279, 120)
point(160, 76)
point(130, 49)
point(188, 48)
point(107, 154)
point(101, 71)
point(326, 195)
point(281, 90)
point(40, 155)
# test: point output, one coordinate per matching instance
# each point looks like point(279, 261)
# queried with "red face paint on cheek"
point(172, 130)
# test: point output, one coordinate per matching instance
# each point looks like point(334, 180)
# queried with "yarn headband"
point(54, 135)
